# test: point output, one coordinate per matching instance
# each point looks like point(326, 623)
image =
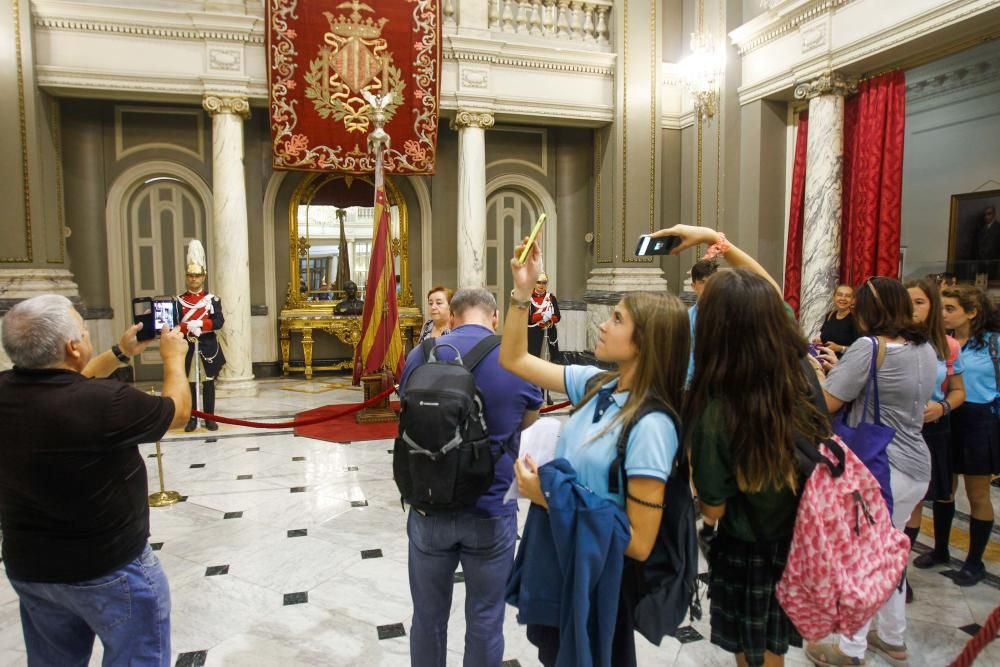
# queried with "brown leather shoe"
point(829, 655)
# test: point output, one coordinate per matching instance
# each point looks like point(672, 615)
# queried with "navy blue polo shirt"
point(506, 398)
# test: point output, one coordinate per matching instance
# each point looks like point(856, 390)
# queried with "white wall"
point(952, 147)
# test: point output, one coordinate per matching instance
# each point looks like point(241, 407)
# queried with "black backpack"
point(663, 589)
point(443, 460)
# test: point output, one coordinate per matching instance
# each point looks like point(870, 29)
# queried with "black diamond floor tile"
point(242, 477)
point(216, 570)
point(298, 458)
point(182, 499)
point(253, 449)
point(688, 634)
point(352, 468)
point(197, 465)
point(210, 440)
point(296, 598)
point(458, 578)
point(971, 629)
point(298, 532)
point(156, 546)
point(371, 553)
point(391, 631)
point(191, 659)
point(388, 451)
point(510, 663)
point(359, 503)
point(151, 456)
point(233, 515)
point(297, 489)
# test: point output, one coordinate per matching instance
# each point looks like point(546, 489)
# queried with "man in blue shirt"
point(481, 538)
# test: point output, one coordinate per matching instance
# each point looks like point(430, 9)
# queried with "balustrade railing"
point(570, 20)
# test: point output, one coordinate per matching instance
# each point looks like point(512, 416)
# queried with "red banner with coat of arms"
point(323, 55)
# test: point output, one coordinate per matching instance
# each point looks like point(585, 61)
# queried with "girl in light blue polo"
point(646, 336)
point(975, 433)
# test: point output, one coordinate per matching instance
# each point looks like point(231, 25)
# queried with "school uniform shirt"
point(980, 378)
point(651, 447)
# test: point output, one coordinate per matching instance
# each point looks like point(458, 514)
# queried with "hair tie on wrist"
point(720, 247)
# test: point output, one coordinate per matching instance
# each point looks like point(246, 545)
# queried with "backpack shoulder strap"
point(426, 347)
point(479, 352)
point(993, 357)
point(618, 465)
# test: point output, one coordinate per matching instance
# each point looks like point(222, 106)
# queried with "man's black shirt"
point(73, 491)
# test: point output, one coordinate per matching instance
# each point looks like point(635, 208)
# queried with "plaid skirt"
point(746, 617)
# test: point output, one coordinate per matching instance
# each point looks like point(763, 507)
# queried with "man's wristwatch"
point(122, 357)
point(516, 302)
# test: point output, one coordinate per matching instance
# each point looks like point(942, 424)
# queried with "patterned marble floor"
point(291, 551)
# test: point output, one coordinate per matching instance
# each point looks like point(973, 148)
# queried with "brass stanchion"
point(161, 498)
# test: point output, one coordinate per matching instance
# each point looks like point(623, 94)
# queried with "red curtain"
point(793, 253)
point(874, 123)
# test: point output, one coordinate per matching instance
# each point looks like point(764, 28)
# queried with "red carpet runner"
point(345, 428)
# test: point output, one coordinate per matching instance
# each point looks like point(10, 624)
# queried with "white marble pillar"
point(823, 197)
point(471, 127)
point(229, 267)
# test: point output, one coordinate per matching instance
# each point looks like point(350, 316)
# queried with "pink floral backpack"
point(846, 557)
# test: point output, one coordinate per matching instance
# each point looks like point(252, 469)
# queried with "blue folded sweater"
point(568, 569)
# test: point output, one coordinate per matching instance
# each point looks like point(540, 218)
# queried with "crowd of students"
point(737, 369)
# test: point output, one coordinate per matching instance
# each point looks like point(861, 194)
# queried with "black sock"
point(912, 534)
point(979, 537)
point(944, 514)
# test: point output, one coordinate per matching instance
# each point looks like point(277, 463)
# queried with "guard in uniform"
point(201, 317)
point(543, 314)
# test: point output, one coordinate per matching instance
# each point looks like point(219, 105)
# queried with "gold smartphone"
point(531, 239)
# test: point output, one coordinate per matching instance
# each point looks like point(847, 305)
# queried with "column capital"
point(216, 104)
point(479, 119)
point(828, 83)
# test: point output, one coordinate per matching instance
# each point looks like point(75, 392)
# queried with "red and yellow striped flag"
point(381, 345)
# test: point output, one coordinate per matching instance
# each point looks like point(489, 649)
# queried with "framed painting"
point(974, 236)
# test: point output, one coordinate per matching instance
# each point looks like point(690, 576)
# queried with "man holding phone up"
point(201, 317)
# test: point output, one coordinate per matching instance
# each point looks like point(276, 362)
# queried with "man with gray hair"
point(482, 537)
point(73, 488)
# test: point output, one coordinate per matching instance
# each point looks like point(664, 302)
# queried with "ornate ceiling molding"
point(775, 23)
point(962, 77)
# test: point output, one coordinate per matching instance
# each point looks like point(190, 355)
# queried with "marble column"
point(229, 266)
point(823, 196)
point(471, 127)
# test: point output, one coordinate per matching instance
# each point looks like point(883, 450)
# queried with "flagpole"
point(383, 377)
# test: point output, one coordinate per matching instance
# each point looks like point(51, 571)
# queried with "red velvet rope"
point(325, 418)
point(557, 406)
point(295, 423)
point(986, 634)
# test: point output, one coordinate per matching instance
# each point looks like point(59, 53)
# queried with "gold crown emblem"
point(355, 27)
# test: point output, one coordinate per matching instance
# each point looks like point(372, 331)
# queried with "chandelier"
point(702, 71)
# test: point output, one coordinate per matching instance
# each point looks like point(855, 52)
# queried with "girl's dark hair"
point(703, 269)
point(934, 324)
point(882, 307)
point(748, 357)
point(971, 298)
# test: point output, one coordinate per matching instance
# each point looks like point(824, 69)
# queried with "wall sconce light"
point(702, 71)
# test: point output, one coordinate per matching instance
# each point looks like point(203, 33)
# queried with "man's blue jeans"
point(485, 548)
point(129, 609)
